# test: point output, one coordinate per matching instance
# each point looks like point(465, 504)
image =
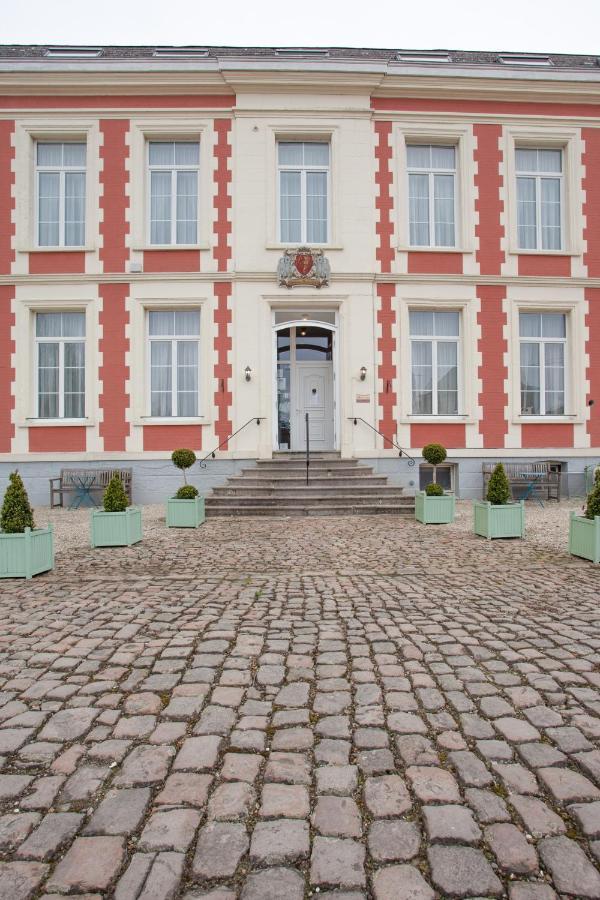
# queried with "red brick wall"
point(492, 372)
point(450, 434)
point(222, 371)
point(172, 437)
point(386, 373)
point(488, 205)
point(7, 373)
point(7, 204)
point(113, 374)
point(57, 439)
point(114, 201)
point(383, 196)
point(222, 200)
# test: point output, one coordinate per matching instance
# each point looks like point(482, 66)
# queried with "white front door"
point(314, 383)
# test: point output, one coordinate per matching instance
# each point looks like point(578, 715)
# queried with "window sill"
point(87, 248)
point(461, 419)
point(53, 423)
point(406, 249)
point(146, 248)
point(548, 420)
point(515, 252)
point(296, 246)
point(170, 420)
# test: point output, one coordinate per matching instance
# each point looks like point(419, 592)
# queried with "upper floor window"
point(173, 170)
point(174, 338)
point(60, 364)
point(303, 192)
point(539, 198)
point(431, 195)
point(60, 179)
point(434, 344)
point(543, 338)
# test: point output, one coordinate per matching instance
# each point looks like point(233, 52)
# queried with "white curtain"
point(422, 377)
point(447, 375)
point(187, 378)
point(550, 212)
point(161, 373)
point(443, 203)
point(526, 213)
point(187, 207)
point(74, 209)
point(316, 207)
point(530, 379)
point(418, 205)
point(48, 209)
point(160, 207)
point(290, 207)
point(48, 380)
point(554, 376)
point(74, 380)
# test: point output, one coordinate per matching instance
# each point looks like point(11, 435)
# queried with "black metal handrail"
point(211, 455)
point(307, 445)
point(401, 450)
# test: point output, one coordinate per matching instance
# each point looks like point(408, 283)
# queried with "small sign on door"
point(363, 398)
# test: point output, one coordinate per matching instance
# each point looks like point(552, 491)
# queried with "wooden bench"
point(537, 479)
point(66, 482)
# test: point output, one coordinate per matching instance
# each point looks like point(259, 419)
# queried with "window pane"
point(316, 207)
point(418, 157)
point(74, 358)
point(74, 155)
point(283, 344)
point(530, 325)
point(161, 322)
point(550, 211)
point(48, 380)
point(74, 209)
point(443, 199)
point(290, 153)
point(554, 325)
point(49, 154)
point(160, 378)
point(289, 202)
point(187, 207)
point(48, 356)
point(74, 380)
point(550, 160)
point(313, 344)
point(526, 160)
point(421, 322)
point(526, 213)
point(422, 353)
point(48, 325)
point(187, 153)
point(73, 324)
point(316, 154)
point(187, 321)
point(187, 378)
point(447, 324)
point(161, 153)
point(530, 379)
point(422, 378)
point(74, 406)
point(48, 210)
point(443, 157)
point(442, 476)
point(160, 207)
point(418, 209)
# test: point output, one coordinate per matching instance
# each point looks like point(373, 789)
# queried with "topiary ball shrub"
point(115, 496)
point(434, 454)
point(592, 507)
point(498, 492)
point(17, 514)
point(183, 459)
point(434, 490)
point(187, 492)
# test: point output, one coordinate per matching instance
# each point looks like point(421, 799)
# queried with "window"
point(434, 340)
point(173, 167)
point(431, 195)
point(60, 362)
point(539, 199)
point(444, 475)
point(60, 179)
point(543, 338)
point(173, 336)
point(303, 192)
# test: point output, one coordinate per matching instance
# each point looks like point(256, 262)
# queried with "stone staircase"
point(337, 487)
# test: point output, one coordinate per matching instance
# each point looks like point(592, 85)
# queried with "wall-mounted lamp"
point(363, 373)
point(248, 373)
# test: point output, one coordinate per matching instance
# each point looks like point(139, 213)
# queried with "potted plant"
point(186, 508)
point(118, 524)
point(433, 506)
point(584, 531)
point(496, 516)
point(25, 550)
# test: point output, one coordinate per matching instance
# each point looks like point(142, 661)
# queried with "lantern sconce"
point(363, 373)
point(248, 373)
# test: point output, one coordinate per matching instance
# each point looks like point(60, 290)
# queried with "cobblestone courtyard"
point(271, 710)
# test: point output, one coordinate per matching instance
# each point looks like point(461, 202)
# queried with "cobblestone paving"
point(345, 708)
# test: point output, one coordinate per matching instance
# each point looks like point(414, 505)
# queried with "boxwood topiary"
point(498, 492)
point(115, 497)
point(592, 507)
point(17, 514)
point(434, 454)
point(434, 490)
point(187, 492)
point(183, 459)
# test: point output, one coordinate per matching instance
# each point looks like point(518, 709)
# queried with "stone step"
point(310, 492)
point(390, 509)
point(300, 462)
point(375, 499)
point(279, 470)
point(297, 481)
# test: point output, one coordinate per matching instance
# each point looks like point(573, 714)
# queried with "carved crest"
point(303, 266)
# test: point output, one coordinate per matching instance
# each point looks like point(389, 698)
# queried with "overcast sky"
point(566, 26)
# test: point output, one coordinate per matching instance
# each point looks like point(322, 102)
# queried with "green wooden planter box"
point(584, 537)
point(116, 529)
point(28, 554)
point(499, 521)
point(185, 513)
point(434, 510)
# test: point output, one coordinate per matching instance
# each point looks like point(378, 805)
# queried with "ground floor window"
point(434, 347)
point(543, 339)
point(444, 476)
point(174, 354)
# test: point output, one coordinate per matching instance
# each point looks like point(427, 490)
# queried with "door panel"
point(314, 384)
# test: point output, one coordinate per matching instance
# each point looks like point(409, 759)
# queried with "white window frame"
point(175, 307)
point(173, 168)
point(434, 340)
point(61, 341)
point(538, 177)
point(542, 341)
point(61, 170)
point(303, 169)
point(431, 172)
point(547, 138)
